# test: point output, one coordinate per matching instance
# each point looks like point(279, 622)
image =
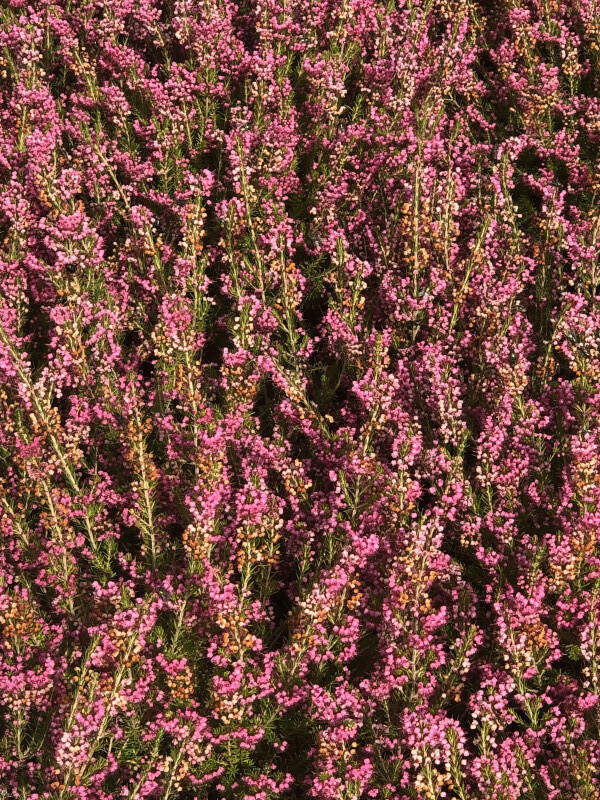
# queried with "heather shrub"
point(299, 390)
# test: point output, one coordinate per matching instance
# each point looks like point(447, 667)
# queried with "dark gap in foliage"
point(529, 160)
point(366, 658)
point(527, 199)
point(244, 25)
point(218, 338)
point(572, 667)
point(174, 530)
point(234, 464)
point(130, 540)
point(427, 498)
point(300, 445)
point(328, 387)
point(561, 172)
point(132, 338)
point(314, 307)
point(281, 604)
point(267, 396)
point(564, 371)
point(474, 574)
point(147, 368)
point(36, 328)
point(352, 85)
point(62, 405)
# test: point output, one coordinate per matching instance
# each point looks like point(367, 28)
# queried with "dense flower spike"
point(299, 368)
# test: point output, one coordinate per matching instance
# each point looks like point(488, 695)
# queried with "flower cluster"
point(299, 389)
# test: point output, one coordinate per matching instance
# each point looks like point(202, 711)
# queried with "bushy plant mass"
point(300, 399)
